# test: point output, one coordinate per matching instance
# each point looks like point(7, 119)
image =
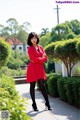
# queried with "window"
point(20, 48)
point(13, 48)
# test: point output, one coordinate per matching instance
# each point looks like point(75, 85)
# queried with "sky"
point(39, 13)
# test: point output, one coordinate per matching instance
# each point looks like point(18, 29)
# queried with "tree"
point(66, 51)
point(54, 36)
point(44, 40)
point(66, 30)
point(63, 30)
point(22, 33)
point(17, 32)
point(12, 28)
point(60, 32)
point(1, 29)
point(25, 26)
point(75, 26)
point(71, 35)
point(44, 31)
point(22, 36)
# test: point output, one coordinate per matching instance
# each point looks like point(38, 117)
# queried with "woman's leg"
point(32, 93)
point(42, 86)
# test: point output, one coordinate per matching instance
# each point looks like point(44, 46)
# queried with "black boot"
point(48, 106)
point(34, 107)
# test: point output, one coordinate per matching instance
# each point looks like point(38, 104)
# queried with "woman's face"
point(34, 40)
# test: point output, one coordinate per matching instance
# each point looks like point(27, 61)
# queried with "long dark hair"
point(31, 35)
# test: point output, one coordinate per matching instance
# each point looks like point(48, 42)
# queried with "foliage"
point(44, 31)
point(10, 100)
point(52, 84)
point(77, 70)
point(71, 35)
point(8, 84)
point(60, 32)
point(78, 47)
point(75, 26)
point(44, 40)
point(49, 66)
point(63, 29)
point(50, 50)
point(12, 72)
point(54, 36)
point(12, 28)
point(14, 31)
point(17, 59)
point(15, 64)
point(4, 52)
point(66, 51)
point(3, 31)
point(66, 30)
point(22, 36)
point(69, 90)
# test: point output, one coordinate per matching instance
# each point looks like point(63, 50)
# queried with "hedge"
point(66, 88)
point(69, 90)
point(52, 84)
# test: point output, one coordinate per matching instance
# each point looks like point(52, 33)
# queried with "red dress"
point(35, 70)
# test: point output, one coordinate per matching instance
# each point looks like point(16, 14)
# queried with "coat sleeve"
point(44, 53)
point(36, 59)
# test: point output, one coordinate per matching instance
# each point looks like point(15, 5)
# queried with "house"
point(17, 45)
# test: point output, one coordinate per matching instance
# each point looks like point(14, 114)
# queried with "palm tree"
point(44, 31)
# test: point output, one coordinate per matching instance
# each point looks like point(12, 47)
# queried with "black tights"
point(42, 86)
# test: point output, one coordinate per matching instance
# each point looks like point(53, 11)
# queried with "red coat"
point(35, 70)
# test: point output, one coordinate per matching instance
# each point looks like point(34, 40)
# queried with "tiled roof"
point(12, 42)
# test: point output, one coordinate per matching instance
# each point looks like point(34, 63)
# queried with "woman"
point(35, 71)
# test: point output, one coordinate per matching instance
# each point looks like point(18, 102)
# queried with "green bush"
point(4, 52)
point(52, 84)
point(66, 51)
point(71, 35)
point(78, 47)
point(49, 66)
point(8, 84)
point(12, 72)
point(16, 60)
point(10, 100)
point(61, 88)
point(69, 90)
point(14, 64)
point(77, 70)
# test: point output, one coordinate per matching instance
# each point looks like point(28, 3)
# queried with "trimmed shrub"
point(52, 84)
point(61, 88)
point(69, 90)
point(4, 52)
point(66, 51)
